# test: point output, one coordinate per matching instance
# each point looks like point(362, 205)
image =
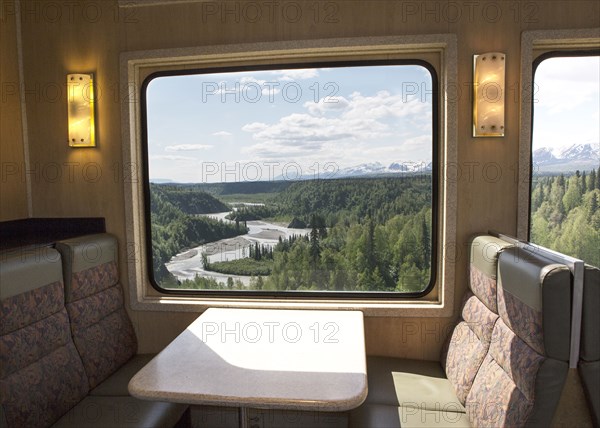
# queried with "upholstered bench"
point(101, 329)
point(504, 363)
point(44, 378)
point(41, 373)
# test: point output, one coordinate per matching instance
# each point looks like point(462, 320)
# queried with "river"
point(188, 264)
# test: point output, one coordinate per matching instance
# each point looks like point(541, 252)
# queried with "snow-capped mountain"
point(571, 157)
point(376, 168)
point(373, 169)
point(580, 151)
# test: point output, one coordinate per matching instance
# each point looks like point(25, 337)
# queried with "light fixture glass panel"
point(488, 103)
point(80, 102)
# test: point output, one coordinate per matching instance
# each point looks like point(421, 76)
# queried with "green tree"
point(592, 180)
point(315, 247)
point(572, 197)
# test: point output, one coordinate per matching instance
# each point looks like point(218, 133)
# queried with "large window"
point(565, 185)
point(312, 180)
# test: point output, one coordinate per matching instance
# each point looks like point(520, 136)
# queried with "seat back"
point(101, 328)
point(522, 376)
point(589, 362)
point(468, 344)
point(41, 373)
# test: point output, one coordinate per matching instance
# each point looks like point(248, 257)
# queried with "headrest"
point(534, 300)
point(31, 287)
point(590, 320)
point(90, 264)
point(27, 270)
point(484, 251)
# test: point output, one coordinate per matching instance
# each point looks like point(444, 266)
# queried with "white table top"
point(287, 359)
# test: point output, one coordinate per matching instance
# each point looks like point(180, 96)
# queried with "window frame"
point(534, 44)
point(439, 49)
point(536, 62)
point(316, 294)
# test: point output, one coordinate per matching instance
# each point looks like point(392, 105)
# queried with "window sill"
point(375, 308)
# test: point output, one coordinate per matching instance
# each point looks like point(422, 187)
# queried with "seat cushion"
point(102, 330)
point(468, 345)
point(590, 378)
point(590, 321)
point(534, 301)
point(385, 416)
point(485, 251)
point(116, 384)
point(121, 412)
point(401, 382)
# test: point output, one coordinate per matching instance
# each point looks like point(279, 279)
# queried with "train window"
point(315, 180)
point(565, 185)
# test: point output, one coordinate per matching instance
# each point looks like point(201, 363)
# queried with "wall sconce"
point(488, 94)
point(80, 103)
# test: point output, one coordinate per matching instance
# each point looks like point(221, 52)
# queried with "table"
point(262, 358)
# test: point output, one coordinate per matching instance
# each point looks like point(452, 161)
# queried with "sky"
point(567, 102)
point(261, 125)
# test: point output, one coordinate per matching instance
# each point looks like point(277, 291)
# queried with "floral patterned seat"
point(430, 393)
point(505, 361)
point(522, 376)
point(41, 374)
point(101, 329)
point(52, 354)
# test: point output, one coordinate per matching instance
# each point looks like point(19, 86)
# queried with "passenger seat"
point(41, 373)
point(104, 335)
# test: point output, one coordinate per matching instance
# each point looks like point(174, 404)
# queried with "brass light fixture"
point(488, 94)
point(81, 114)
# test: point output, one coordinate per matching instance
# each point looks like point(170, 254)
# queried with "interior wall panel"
point(90, 35)
point(13, 185)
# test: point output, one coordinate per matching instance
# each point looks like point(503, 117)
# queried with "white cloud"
point(327, 104)
point(383, 104)
point(564, 84)
point(298, 74)
point(248, 88)
point(566, 108)
point(346, 128)
point(254, 127)
point(223, 134)
point(172, 158)
point(187, 147)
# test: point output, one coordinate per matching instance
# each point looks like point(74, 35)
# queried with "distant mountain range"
point(568, 158)
point(377, 168)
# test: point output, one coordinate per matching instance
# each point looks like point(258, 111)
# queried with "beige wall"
point(13, 188)
point(90, 35)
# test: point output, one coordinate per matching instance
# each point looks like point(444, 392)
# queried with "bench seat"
point(120, 412)
point(408, 393)
point(402, 382)
point(387, 416)
point(52, 374)
point(116, 384)
point(505, 362)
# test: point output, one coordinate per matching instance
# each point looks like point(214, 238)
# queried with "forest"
point(565, 214)
point(366, 234)
point(175, 225)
